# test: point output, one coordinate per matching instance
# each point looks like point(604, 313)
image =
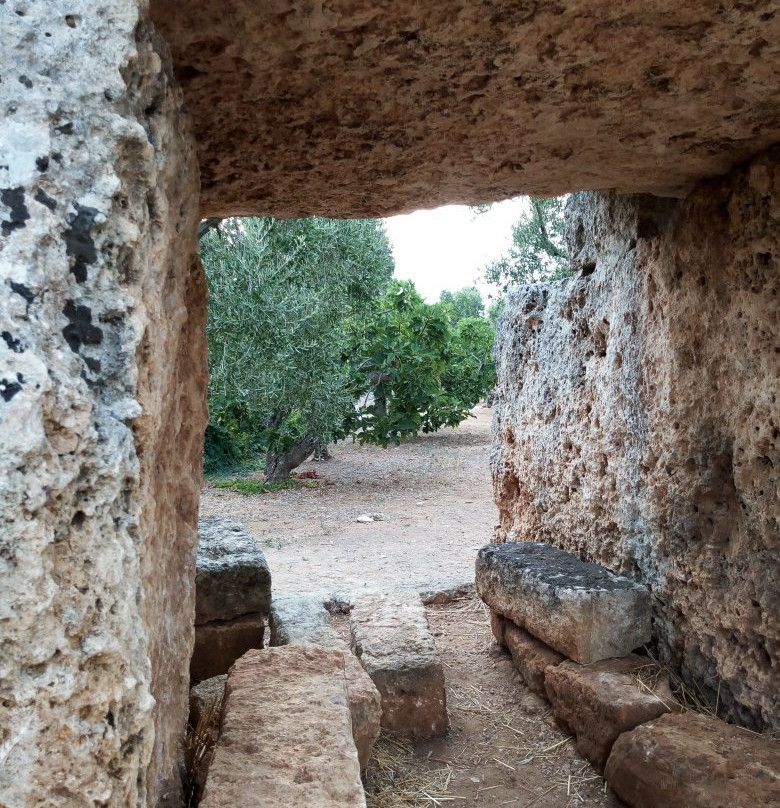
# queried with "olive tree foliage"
point(538, 250)
point(279, 295)
point(466, 302)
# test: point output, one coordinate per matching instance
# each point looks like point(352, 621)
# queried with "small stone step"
point(692, 761)
point(296, 619)
point(286, 736)
point(392, 639)
point(598, 702)
point(582, 610)
point(302, 619)
point(231, 574)
point(530, 656)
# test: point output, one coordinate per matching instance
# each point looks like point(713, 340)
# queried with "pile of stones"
point(571, 628)
point(298, 720)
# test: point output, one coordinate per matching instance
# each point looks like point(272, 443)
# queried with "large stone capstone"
point(348, 108)
point(638, 425)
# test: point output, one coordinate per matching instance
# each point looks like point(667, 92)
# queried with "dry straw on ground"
point(199, 743)
point(395, 779)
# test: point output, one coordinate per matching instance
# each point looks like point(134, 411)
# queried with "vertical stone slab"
point(101, 407)
point(637, 420)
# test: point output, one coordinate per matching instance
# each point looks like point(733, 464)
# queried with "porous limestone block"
point(581, 610)
point(286, 736)
point(693, 761)
point(392, 639)
point(424, 87)
point(102, 406)
point(302, 619)
point(231, 575)
point(636, 420)
point(218, 645)
point(598, 702)
point(530, 656)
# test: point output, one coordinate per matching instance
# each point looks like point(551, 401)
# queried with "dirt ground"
point(435, 500)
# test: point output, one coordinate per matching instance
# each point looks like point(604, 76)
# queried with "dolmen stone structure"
point(570, 627)
point(286, 737)
point(232, 597)
point(392, 639)
point(302, 620)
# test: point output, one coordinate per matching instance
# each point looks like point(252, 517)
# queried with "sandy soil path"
point(434, 495)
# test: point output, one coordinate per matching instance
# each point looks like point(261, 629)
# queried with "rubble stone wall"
point(102, 382)
point(638, 421)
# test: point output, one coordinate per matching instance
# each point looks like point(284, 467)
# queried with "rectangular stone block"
point(531, 657)
point(692, 761)
point(582, 610)
point(598, 702)
point(395, 646)
point(302, 619)
point(297, 619)
point(231, 574)
point(218, 645)
point(286, 737)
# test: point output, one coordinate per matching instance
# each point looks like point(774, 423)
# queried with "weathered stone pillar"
point(102, 383)
point(638, 419)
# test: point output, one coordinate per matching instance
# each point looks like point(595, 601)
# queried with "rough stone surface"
point(580, 609)
point(365, 707)
point(299, 619)
point(530, 656)
point(691, 761)
point(207, 701)
point(286, 737)
point(637, 420)
point(395, 646)
point(498, 625)
point(231, 576)
point(102, 407)
point(347, 108)
point(204, 694)
point(598, 702)
point(302, 619)
point(219, 644)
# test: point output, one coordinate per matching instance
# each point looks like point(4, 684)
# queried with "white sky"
point(447, 248)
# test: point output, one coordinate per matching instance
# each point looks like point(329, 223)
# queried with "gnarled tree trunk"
point(279, 466)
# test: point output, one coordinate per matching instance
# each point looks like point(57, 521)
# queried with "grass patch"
point(249, 485)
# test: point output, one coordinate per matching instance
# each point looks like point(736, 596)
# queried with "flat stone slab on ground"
point(530, 656)
point(581, 610)
point(692, 761)
point(286, 737)
point(392, 639)
point(231, 575)
point(298, 619)
point(218, 645)
point(303, 619)
point(598, 702)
